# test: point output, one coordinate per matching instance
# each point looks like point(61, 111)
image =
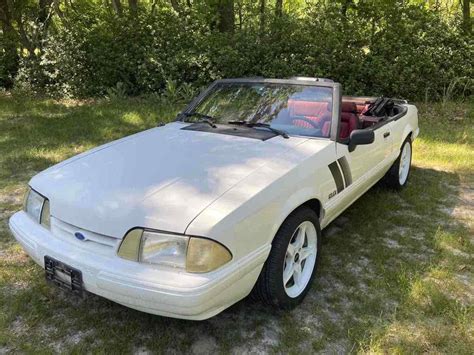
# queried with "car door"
point(356, 171)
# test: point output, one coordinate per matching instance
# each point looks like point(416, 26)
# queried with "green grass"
point(396, 273)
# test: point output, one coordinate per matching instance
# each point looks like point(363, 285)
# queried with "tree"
point(133, 5)
point(278, 8)
point(43, 10)
point(9, 59)
point(117, 6)
point(175, 5)
point(345, 5)
point(466, 15)
point(225, 9)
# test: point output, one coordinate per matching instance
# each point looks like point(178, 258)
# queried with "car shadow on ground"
point(361, 282)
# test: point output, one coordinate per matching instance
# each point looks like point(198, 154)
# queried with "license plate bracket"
point(63, 276)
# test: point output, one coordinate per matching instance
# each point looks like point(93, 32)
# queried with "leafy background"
point(418, 50)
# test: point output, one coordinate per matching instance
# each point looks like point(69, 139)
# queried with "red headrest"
point(348, 106)
point(308, 108)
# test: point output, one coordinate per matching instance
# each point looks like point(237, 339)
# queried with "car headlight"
point(165, 249)
point(189, 253)
point(37, 207)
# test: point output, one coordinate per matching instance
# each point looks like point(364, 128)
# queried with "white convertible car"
point(185, 219)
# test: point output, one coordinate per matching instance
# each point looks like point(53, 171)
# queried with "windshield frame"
point(336, 101)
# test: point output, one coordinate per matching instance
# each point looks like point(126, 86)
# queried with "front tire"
point(397, 176)
point(290, 268)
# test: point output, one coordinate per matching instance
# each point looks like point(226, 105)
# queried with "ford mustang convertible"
point(187, 218)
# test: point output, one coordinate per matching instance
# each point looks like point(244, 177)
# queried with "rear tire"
point(288, 273)
point(397, 177)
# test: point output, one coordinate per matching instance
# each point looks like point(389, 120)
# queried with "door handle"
point(386, 134)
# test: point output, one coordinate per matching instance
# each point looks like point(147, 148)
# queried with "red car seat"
point(317, 112)
point(308, 109)
point(349, 119)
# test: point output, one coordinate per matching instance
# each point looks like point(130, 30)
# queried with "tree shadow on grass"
point(35, 137)
point(372, 257)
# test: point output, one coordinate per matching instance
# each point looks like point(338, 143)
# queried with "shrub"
point(390, 48)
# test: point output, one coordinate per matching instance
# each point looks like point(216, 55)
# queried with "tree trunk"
point(25, 40)
point(153, 7)
point(57, 9)
point(44, 11)
point(346, 4)
point(10, 55)
point(262, 16)
point(117, 6)
point(5, 17)
point(226, 15)
point(279, 8)
point(466, 16)
point(240, 15)
point(175, 5)
point(133, 6)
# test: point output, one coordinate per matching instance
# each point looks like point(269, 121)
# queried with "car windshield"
point(294, 109)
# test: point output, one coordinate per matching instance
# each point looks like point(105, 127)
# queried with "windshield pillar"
point(336, 111)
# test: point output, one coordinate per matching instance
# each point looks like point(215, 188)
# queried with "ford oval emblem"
point(79, 236)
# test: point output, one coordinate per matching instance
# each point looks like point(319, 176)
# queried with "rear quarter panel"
point(405, 125)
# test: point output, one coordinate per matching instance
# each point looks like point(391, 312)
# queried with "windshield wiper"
point(204, 118)
point(262, 125)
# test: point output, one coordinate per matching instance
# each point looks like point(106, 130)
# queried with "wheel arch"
point(313, 203)
point(410, 129)
point(407, 134)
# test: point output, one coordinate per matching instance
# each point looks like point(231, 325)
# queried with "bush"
point(404, 51)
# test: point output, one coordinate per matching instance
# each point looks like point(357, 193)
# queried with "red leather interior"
point(326, 128)
point(349, 106)
point(344, 130)
point(313, 110)
point(318, 112)
point(302, 123)
point(349, 119)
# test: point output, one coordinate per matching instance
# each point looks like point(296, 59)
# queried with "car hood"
point(161, 178)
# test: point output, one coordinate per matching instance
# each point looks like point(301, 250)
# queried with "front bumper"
point(148, 288)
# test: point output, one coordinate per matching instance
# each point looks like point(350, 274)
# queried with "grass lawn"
point(396, 273)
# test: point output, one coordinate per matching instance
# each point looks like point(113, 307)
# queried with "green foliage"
point(388, 47)
point(118, 92)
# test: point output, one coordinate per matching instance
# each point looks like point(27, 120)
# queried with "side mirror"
point(360, 136)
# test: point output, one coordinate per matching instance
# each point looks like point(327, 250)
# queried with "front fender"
point(250, 214)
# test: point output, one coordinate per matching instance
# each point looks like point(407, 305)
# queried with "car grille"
point(95, 242)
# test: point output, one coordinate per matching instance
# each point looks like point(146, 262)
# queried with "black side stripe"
point(346, 170)
point(336, 174)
